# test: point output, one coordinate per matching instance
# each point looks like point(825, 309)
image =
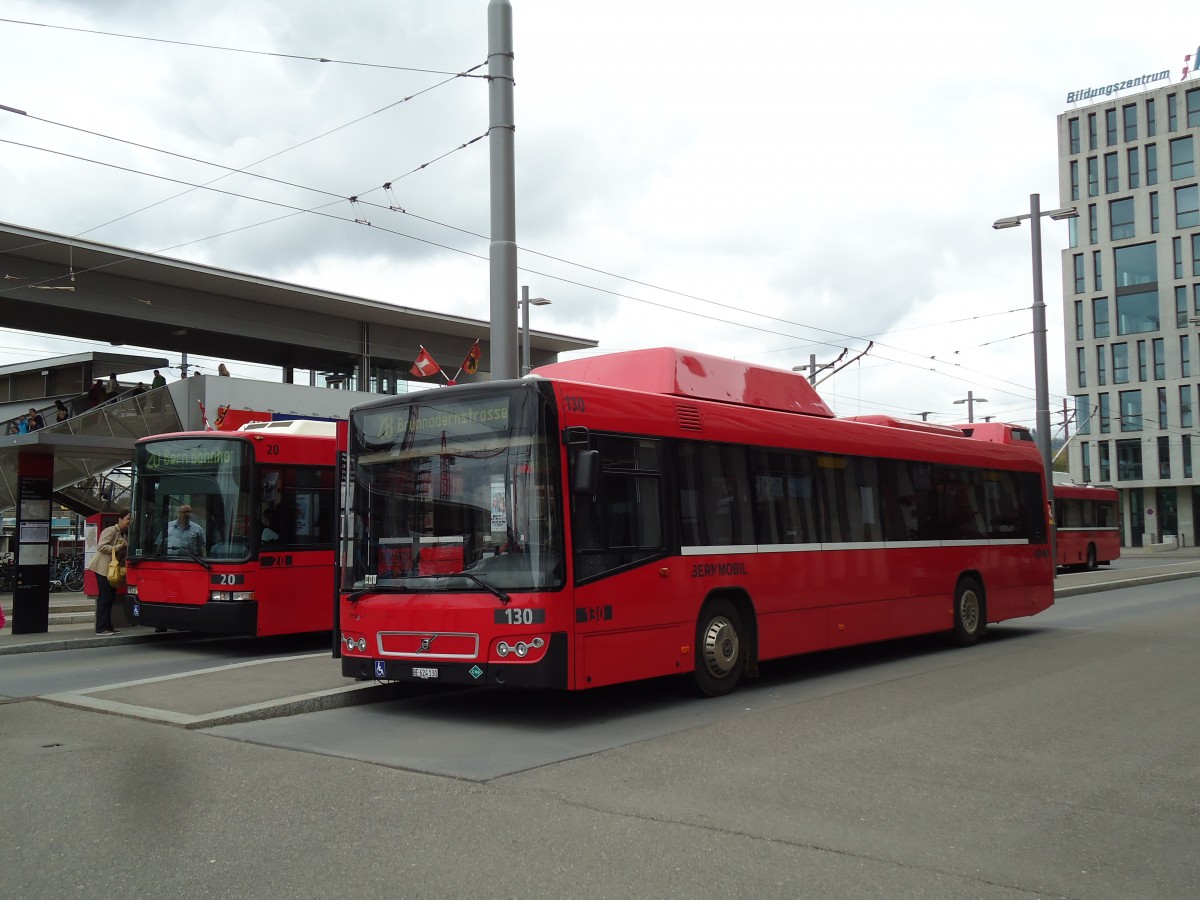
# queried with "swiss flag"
point(424, 365)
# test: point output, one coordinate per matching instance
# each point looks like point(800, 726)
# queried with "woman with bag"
point(110, 547)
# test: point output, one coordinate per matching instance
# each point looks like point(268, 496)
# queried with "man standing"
point(183, 534)
point(112, 540)
point(35, 420)
point(156, 401)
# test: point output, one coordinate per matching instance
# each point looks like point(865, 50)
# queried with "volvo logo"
point(425, 643)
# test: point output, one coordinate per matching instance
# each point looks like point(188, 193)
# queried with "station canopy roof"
point(68, 287)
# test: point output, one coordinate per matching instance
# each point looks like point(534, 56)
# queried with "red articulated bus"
point(662, 512)
point(234, 532)
point(1086, 528)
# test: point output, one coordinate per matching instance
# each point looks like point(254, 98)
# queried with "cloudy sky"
point(763, 180)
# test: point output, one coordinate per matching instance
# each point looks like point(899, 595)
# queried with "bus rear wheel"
point(720, 649)
point(970, 618)
point(1091, 558)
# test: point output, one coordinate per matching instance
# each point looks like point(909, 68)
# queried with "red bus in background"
point(1086, 526)
point(257, 556)
point(661, 512)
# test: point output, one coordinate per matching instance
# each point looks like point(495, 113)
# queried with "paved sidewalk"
point(72, 625)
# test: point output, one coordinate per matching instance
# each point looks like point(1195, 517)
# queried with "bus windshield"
point(457, 493)
point(192, 499)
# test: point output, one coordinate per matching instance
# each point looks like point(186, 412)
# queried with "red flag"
point(471, 364)
point(424, 365)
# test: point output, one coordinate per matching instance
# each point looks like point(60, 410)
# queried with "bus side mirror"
point(586, 472)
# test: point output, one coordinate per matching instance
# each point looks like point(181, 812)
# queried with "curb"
point(1098, 586)
point(87, 641)
point(318, 701)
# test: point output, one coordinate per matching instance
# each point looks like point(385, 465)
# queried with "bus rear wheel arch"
point(722, 647)
point(970, 611)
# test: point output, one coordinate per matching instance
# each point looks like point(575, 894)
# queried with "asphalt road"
point(1056, 759)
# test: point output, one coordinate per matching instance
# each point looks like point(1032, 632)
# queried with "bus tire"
point(1091, 558)
point(970, 611)
point(721, 648)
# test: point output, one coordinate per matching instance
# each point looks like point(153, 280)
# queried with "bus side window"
point(622, 524)
point(716, 505)
point(913, 514)
point(1033, 506)
point(959, 509)
point(1003, 505)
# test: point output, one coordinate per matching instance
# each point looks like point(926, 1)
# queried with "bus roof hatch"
point(682, 373)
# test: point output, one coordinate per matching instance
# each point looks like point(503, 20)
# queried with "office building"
point(1131, 288)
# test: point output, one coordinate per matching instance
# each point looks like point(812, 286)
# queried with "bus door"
point(624, 604)
point(296, 537)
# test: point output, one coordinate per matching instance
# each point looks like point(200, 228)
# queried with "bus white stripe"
point(751, 549)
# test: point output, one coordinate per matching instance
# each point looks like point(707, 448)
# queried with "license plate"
point(424, 673)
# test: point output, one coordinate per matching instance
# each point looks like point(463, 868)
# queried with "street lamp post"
point(971, 401)
point(1041, 375)
point(526, 302)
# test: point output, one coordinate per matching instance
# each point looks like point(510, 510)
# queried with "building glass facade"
point(1134, 309)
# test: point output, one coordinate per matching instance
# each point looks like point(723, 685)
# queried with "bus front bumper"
point(211, 618)
point(549, 672)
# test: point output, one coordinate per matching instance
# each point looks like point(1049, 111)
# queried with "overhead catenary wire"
point(229, 171)
point(359, 198)
point(391, 207)
point(272, 53)
point(319, 211)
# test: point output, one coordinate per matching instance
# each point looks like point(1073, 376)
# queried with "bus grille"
point(429, 644)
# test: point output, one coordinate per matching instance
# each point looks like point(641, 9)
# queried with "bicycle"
point(66, 574)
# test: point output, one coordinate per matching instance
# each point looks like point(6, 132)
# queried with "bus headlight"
point(131, 590)
point(520, 648)
point(231, 596)
point(354, 643)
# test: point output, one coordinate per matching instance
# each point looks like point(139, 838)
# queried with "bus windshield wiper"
point(354, 595)
point(197, 558)
point(490, 588)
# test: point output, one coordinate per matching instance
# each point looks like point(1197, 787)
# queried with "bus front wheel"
point(970, 619)
point(720, 649)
